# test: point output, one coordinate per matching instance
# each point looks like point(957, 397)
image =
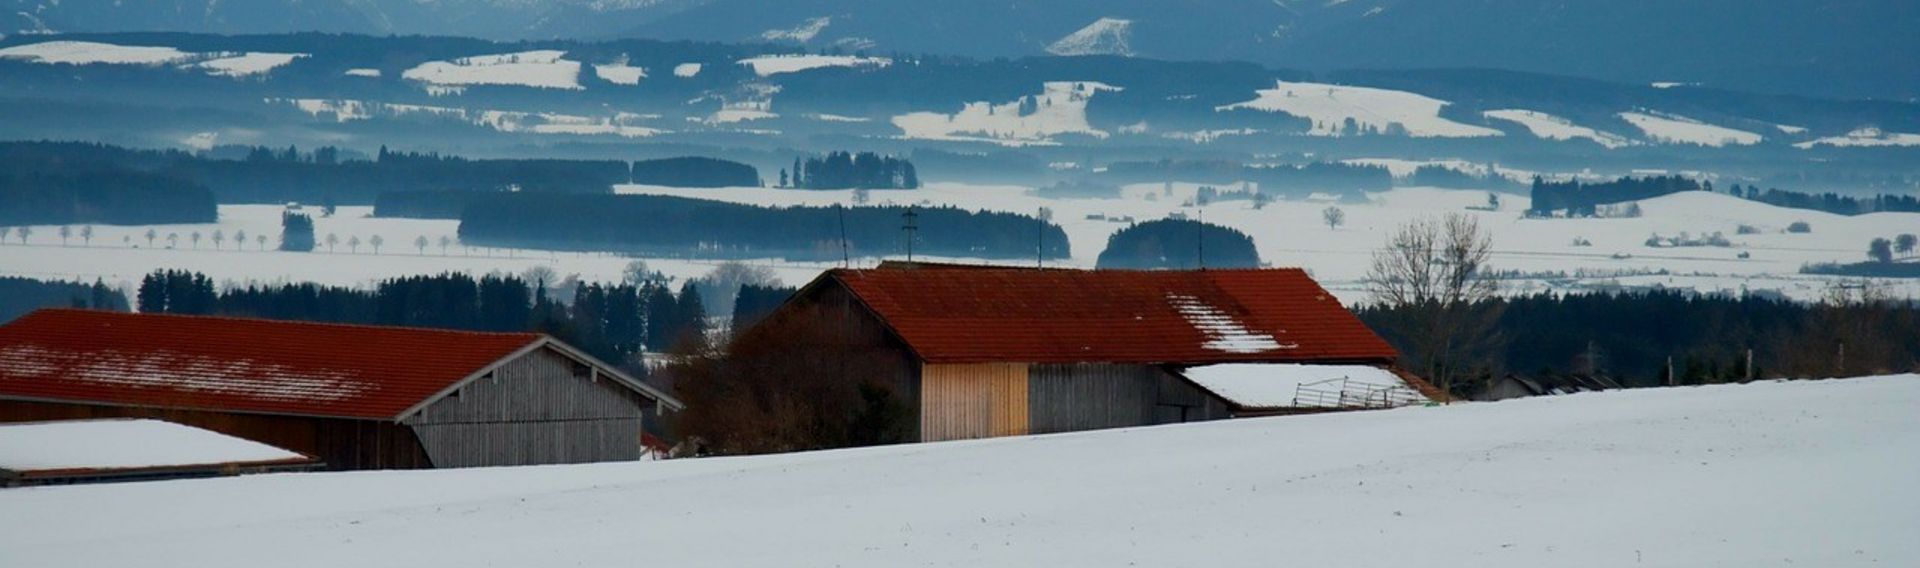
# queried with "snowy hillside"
point(1106, 36)
point(1339, 110)
point(1814, 473)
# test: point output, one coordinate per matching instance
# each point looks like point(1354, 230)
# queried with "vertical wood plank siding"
point(541, 408)
point(973, 401)
point(1088, 396)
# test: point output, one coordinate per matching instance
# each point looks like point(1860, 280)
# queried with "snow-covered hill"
point(1814, 473)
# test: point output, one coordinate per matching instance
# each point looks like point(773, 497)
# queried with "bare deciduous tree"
point(1435, 271)
point(420, 243)
point(86, 234)
point(1334, 217)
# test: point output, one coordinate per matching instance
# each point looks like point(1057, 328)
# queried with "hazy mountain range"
point(1836, 48)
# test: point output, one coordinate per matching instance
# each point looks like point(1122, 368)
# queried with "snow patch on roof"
point(547, 69)
point(182, 372)
point(1332, 107)
point(1105, 36)
point(124, 444)
point(1223, 331)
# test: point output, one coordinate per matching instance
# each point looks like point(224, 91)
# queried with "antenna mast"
point(1200, 238)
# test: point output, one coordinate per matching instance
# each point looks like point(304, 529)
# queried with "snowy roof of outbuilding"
point(961, 314)
point(100, 446)
point(1276, 385)
point(243, 365)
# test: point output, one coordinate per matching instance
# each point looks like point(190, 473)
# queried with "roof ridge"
point(299, 323)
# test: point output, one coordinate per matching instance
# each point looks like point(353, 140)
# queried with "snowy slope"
point(540, 68)
point(1330, 107)
point(89, 53)
point(777, 64)
point(1555, 128)
point(248, 64)
point(1815, 473)
point(1674, 129)
point(1061, 108)
point(1105, 36)
point(1865, 137)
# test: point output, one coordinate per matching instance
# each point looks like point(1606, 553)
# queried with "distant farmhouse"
point(353, 397)
point(994, 351)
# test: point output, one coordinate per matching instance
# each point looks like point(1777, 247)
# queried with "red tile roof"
point(972, 314)
point(238, 365)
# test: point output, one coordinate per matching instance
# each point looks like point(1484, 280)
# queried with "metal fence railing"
point(1344, 393)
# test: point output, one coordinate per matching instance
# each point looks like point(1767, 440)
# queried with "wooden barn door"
point(976, 400)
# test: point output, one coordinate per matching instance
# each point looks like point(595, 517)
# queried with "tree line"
point(1634, 336)
point(1178, 244)
point(697, 227)
point(1829, 202)
point(615, 322)
point(36, 194)
point(1278, 180)
point(843, 170)
point(21, 295)
point(1575, 198)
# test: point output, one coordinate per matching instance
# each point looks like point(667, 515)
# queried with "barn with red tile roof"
point(992, 351)
point(354, 396)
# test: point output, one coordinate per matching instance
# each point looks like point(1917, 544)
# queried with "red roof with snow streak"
point(951, 314)
point(238, 365)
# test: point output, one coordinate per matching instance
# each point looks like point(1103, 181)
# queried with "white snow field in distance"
point(1865, 137)
point(767, 65)
point(1552, 127)
point(1675, 129)
point(1288, 232)
point(88, 53)
point(248, 64)
point(1799, 473)
point(1376, 110)
point(1060, 108)
point(546, 68)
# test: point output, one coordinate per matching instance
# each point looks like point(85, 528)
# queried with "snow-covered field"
point(1674, 129)
point(1292, 233)
point(1287, 232)
point(90, 53)
point(1330, 107)
point(1060, 108)
point(776, 64)
point(249, 64)
point(1789, 474)
point(121, 255)
point(547, 68)
point(1865, 137)
point(1556, 128)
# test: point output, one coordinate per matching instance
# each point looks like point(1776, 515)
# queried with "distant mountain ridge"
point(492, 19)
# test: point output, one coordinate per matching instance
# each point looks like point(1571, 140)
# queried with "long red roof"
point(238, 365)
point(970, 315)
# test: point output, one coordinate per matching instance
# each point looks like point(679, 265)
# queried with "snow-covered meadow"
point(1808, 473)
point(1287, 233)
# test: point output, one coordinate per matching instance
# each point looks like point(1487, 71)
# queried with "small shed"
point(995, 351)
point(353, 396)
point(96, 451)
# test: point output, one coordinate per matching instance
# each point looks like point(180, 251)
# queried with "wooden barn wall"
point(1089, 396)
point(836, 309)
point(973, 401)
point(343, 444)
point(541, 408)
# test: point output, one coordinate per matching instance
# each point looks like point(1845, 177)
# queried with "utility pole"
point(1670, 377)
point(911, 227)
point(846, 257)
point(1200, 238)
point(1749, 365)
